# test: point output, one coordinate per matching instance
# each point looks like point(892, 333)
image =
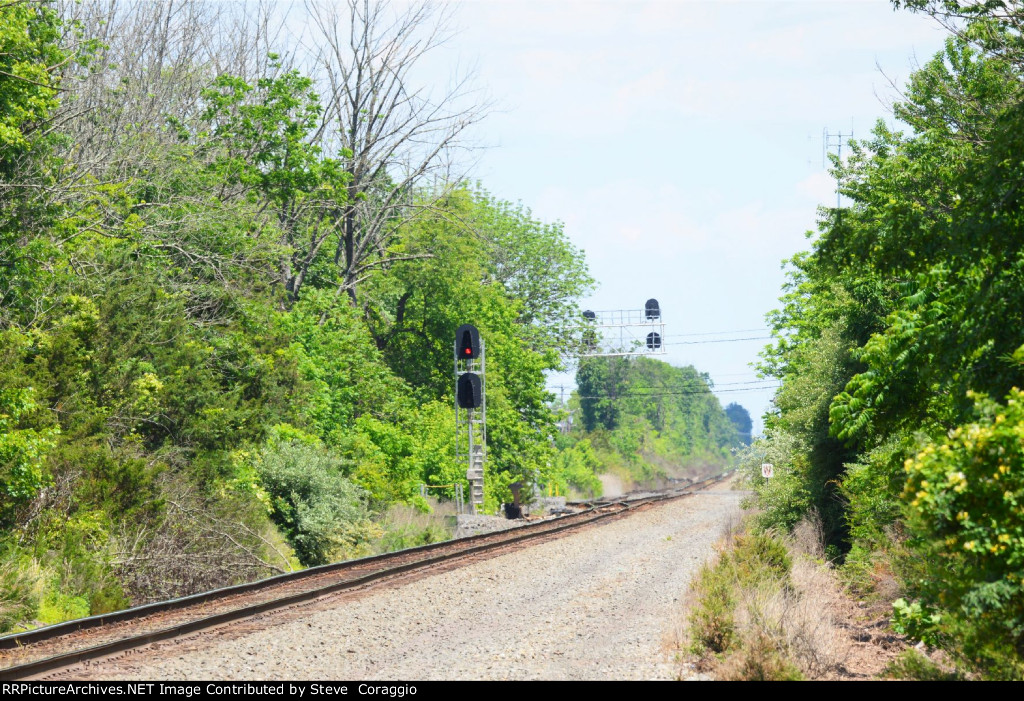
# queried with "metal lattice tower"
point(620, 332)
point(471, 429)
point(828, 142)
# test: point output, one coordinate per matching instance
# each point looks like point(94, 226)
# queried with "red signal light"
point(467, 342)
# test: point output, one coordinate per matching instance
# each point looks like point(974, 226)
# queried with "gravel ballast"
point(596, 604)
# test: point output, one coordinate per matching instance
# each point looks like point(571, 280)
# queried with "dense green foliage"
point(649, 419)
point(740, 418)
point(319, 510)
point(964, 496)
point(899, 351)
point(190, 392)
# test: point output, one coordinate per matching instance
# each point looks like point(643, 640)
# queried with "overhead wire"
point(717, 340)
point(751, 386)
point(667, 391)
point(714, 333)
point(620, 395)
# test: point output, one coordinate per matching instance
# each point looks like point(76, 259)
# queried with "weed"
point(759, 659)
point(761, 613)
point(914, 666)
point(406, 526)
point(19, 592)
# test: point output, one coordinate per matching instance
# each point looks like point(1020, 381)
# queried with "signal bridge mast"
point(621, 332)
point(471, 410)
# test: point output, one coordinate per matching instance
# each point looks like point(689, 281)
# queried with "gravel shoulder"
point(597, 604)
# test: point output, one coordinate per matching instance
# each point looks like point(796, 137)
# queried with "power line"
point(654, 390)
point(713, 333)
point(759, 381)
point(724, 384)
point(719, 340)
point(675, 394)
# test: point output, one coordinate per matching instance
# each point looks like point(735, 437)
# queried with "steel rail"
point(525, 533)
point(36, 635)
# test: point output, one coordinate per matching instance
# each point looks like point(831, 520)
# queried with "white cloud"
point(648, 88)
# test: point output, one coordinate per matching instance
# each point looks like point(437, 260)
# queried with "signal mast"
point(471, 410)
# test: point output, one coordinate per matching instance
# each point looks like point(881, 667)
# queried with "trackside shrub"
point(760, 660)
point(785, 498)
point(712, 628)
point(323, 514)
point(762, 611)
point(19, 589)
point(964, 496)
point(754, 560)
point(913, 666)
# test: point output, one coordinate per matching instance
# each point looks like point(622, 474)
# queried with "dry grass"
point(21, 589)
point(406, 526)
point(406, 516)
point(808, 537)
point(777, 622)
point(797, 620)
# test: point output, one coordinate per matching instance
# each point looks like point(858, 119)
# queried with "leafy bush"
point(402, 538)
point(575, 465)
point(322, 513)
point(915, 621)
point(57, 606)
point(964, 497)
point(22, 452)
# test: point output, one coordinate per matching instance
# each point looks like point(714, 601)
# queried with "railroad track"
point(43, 650)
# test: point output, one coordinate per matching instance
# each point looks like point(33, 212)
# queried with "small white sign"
point(767, 470)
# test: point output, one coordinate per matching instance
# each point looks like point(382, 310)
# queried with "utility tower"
point(830, 142)
point(471, 410)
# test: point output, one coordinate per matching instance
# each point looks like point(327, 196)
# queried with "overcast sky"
point(681, 143)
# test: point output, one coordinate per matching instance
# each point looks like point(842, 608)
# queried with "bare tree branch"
point(391, 133)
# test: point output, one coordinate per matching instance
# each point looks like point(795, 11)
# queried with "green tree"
point(180, 381)
point(450, 277)
point(904, 315)
point(740, 418)
point(264, 140)
point(652, 418)
point(31, 59)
